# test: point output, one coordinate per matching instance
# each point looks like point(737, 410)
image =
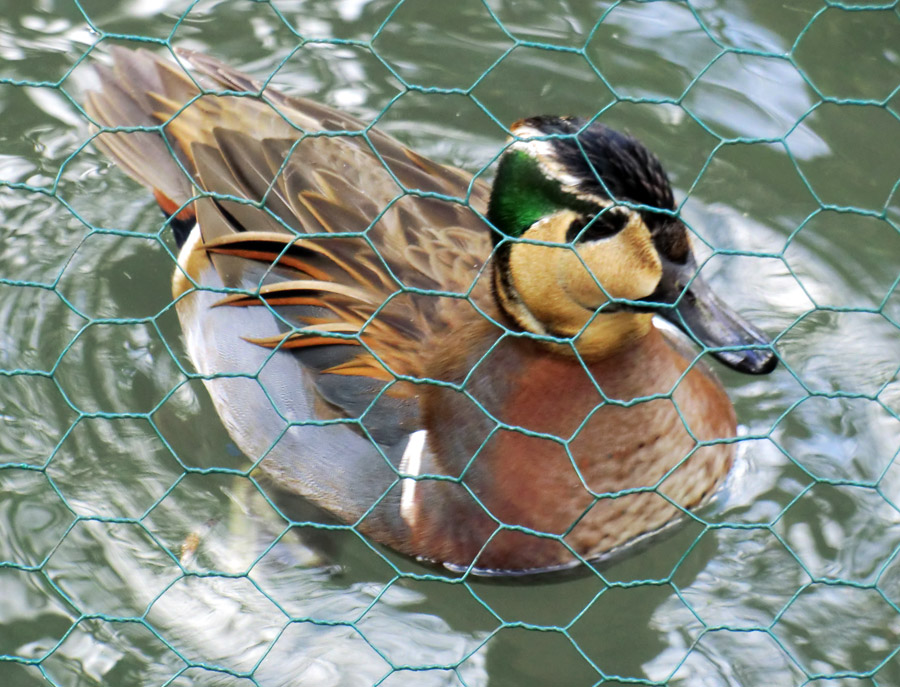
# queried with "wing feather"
point(272, 169)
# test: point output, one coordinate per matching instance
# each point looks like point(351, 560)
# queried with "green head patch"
point(524, 193)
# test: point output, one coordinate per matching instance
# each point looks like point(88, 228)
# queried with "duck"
point(474, 375)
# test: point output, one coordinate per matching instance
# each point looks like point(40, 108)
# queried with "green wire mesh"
point(151, 353)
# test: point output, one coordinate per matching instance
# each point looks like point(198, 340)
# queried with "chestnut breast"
point(550, 444)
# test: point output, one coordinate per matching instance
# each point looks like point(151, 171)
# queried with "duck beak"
point(705, 318)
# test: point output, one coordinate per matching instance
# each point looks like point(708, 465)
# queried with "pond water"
point(132, 552)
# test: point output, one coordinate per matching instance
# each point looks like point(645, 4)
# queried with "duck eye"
point(594, 227)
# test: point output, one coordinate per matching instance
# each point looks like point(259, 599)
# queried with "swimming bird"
point(469, 374)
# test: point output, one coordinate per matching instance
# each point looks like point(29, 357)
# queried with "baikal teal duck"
point(470, 375)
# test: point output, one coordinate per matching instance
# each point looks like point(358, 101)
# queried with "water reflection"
point(252, 599)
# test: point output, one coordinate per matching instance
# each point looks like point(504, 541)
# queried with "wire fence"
point(63, 484)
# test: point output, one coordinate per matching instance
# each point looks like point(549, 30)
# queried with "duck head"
point(589, 247)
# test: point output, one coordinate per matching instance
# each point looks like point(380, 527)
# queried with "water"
point(803, 583)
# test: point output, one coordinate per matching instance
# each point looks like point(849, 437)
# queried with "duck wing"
point(334, 229)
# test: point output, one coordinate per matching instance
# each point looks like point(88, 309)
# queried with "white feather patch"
point(411, 464)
